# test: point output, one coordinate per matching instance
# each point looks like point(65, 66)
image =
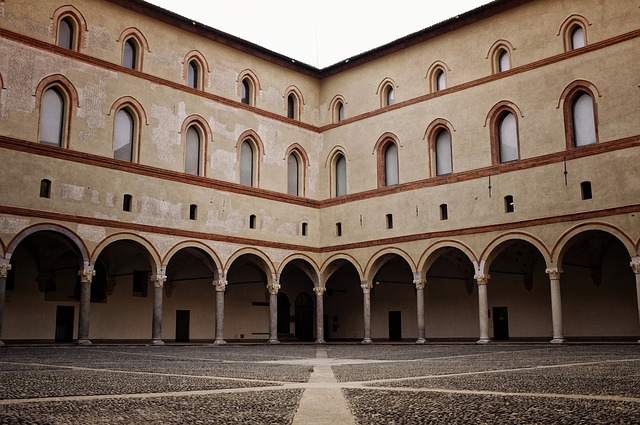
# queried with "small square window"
point(585, 188)
point(508, 204)
point(45, 188)
point(140, 283)
point(444, 213)
point(126, 203)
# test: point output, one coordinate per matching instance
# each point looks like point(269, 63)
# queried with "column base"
point(320, 341)
point(483, 341)
point(421, 341)
point(157, 342)
point(83, 341)
point(366, 341)
point(559, 341)
point(219, 342)
point(273, 342)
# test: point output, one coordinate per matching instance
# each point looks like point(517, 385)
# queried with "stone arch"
point(381, 257)
point(68, 233)
point(262, 260)
point(494, 249)
point(153, 255)
point(331, 264)
point(310, 269)
point(433, 251)
point(198, 245)
point(564, 242)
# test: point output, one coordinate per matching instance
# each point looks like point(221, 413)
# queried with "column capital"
point(319, 290)
point(5, 266)
point(419, 283)
point(635, 265)
point(86, 274)
point(366, 286)
point(554, 273)
point(273, 287)
point(482, 279)
point(220, 285)
point(158, 280)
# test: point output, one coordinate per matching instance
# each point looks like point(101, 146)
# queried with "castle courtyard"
point(320, 384)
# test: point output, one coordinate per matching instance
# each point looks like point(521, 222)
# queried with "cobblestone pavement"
point(365, 384)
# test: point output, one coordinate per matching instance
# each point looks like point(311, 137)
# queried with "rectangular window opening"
point(304, 229)
point(389, 221)
point(45, 188)
point(126, 203)
point(252, 221)
point(193, 212)
point(444, 213)
point(508, 204)
point(140, 283)
point(338, 229)
point(585, 188)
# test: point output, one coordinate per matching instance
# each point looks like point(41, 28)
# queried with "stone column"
point(221, 286)
point(156, 326)
point(273, 289)
point(5, 266)
point(420, 307)
point(635, 265)
point(556, 305)
point(86, 276)
point(319, 290)
point(483, 307)
point(366, 298)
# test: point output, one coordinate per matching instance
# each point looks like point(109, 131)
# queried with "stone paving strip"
point(322, 385)
point(322, 401)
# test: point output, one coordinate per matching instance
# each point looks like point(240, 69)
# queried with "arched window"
point(340, 175)
point(503, 60)
point(130, 54)
point(577, 37)
point(508, 137)
point(293, 175)
point(443, 153)
point(440, 80)
point(292, 106)
point(390, 164)
point(339, 111)
point(388, 96)
point(192, 151)
point(583, 120)
point(67, 33)
point(52, 117)
point(193, 74)
point(246, 163)
point(247, 91)
point(123, 135)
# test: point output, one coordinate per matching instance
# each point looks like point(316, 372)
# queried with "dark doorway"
point(500, 324)
point(182, 325)
point(304, 317)
point(395, 326)
point(283, 314)
point(64, 323)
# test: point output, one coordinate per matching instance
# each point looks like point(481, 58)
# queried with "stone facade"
point(476, 180)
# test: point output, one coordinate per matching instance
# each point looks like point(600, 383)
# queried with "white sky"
point(319, 32)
